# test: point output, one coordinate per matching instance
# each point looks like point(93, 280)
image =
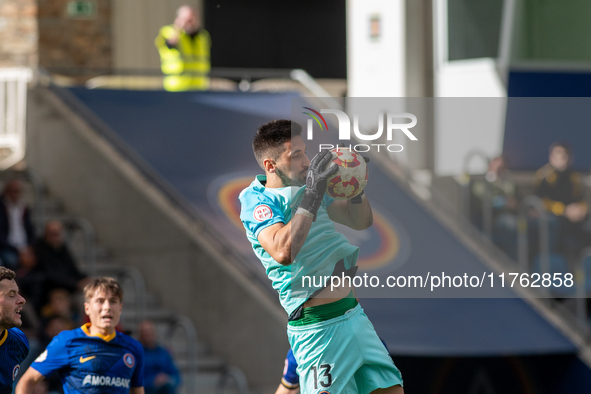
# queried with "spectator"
point(56, 261)
point(161, 376)
point(60, 305)
point(561, 190)
point(184, 52)
point(53, 326)
point(30, 277)
point(16, 229)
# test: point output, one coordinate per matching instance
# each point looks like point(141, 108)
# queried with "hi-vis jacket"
point(186, 65)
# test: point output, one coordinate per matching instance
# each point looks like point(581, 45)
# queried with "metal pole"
point(310, 83)
point(465, 180)
point(581, 287)
point(535, 202)
point(544, 244)
point(506, 39)
point(522, 243)
point(487, 211)
point(89, 243)
point(138, 280)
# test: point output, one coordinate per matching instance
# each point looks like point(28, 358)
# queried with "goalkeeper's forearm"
point(291, 237)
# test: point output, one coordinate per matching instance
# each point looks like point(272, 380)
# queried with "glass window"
point(473, 28)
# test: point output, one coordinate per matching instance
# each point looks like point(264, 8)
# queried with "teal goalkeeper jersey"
point(323, 248)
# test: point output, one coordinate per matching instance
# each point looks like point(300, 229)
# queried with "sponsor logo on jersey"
point(109, 381)
point(129, 360)
point(41, 357)
point(15, 371)
point(85, 359)
point(262, 212)
point(324, 392)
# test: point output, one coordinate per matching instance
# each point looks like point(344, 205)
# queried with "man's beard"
point(286, 181)
point(7, 323)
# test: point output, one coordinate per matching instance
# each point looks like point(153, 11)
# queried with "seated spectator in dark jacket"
point(161, 376)
point(16, 229)
point(30, 278)
point(56, 261)
point(562, 192)
point(60, 304)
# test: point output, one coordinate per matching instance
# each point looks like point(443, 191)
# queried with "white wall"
point(375, 66)
point(465, 124)
point(471, 121)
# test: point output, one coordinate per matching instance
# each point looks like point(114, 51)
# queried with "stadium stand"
point(183, 161)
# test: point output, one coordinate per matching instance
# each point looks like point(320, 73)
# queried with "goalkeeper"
point(289, 222)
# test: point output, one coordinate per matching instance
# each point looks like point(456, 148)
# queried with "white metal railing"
point(13, 104)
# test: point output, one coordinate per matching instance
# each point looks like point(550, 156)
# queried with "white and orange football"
point(351, 177)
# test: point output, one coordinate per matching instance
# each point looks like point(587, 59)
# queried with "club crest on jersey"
point(262, 212)
point(15, 371)
point(129, 360)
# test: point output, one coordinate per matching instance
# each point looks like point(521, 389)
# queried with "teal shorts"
point(342, 355)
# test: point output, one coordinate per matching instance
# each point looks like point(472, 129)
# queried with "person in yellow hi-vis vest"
point(184, 52)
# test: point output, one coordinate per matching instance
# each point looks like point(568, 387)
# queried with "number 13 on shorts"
point(322, 376)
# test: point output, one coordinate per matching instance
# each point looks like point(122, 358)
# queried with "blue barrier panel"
point(534, 120)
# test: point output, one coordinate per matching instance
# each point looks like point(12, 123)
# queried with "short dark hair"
point(270, 137)
point(105, 284)
point(6, 273)
point(564, 145)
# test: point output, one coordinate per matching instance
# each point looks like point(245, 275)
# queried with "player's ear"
point(87, 308)
point(269, 165)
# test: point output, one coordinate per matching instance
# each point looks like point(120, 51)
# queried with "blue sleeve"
point(259, 211)
point(290, 378)
point(137, 379)
point(53, 358)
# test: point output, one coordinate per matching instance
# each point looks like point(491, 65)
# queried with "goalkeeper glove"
point(316, 182)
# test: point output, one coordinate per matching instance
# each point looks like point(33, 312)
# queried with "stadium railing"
point(13, 113)
point(583, 281)
point(244, 79)
point(73, 224)
point(535, 203)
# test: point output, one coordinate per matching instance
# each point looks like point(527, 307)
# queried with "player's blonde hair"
point(105, 284)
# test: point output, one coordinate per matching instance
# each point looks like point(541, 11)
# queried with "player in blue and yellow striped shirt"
point(14, 346)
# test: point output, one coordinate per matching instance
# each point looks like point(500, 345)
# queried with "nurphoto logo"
point(344, 124)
